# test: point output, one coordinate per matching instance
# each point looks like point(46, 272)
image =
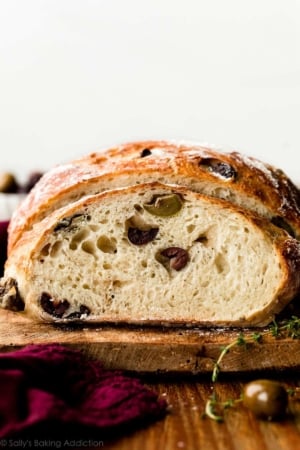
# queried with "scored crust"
point(242, 180)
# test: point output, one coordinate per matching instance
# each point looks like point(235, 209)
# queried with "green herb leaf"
point(274, 329)
point(257, 337)
point(241, 339)
point(287, 327)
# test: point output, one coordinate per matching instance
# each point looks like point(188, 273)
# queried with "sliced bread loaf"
point(152, 254)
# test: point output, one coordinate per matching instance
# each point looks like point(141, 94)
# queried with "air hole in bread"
point(190, 228)
point(202, 239)
point(136, 221)
point(78, 238)
point(94, 227)
point(264, 269)
point(138, 208)
point(45, 250)
point(117, 284)
point(89, 247)
point(221, 263)
point(106, 244)
point(55, 249)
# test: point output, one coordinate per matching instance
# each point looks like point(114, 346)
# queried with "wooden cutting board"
point(152, 350)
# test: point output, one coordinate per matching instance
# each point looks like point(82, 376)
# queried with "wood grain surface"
point(152, 350)
point(177, 364)
point(184, 427)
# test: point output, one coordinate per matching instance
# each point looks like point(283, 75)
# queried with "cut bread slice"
point(243, 181)
point(153, 254)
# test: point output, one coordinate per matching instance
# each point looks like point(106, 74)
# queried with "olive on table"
point(267, 399)
point(8, 183)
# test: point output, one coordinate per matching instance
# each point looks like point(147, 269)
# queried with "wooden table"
point(178, 365)
point(184, 427)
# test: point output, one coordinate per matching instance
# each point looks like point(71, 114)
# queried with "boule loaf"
point(153, 254)
point(242, 180)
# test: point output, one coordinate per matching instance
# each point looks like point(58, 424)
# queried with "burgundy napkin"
point(3, 244)
point(51, 389)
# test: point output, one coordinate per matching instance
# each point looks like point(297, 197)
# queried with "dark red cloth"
point(3, 244)
point(55, 388)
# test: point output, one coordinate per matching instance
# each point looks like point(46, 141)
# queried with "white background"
point(80, 75)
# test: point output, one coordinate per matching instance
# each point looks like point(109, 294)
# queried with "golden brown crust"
point(186, 164)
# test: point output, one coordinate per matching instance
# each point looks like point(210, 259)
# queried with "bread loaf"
point(156, 233)
point(153, 254)
point(241, 180)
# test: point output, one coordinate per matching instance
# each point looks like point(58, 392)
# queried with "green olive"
point(164, 205)
point(267, 399)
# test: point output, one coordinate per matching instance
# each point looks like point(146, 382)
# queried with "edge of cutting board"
point(154, 350)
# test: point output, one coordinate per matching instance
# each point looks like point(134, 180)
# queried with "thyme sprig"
point(214, 409)
point(240, 340)
point(290, 327)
